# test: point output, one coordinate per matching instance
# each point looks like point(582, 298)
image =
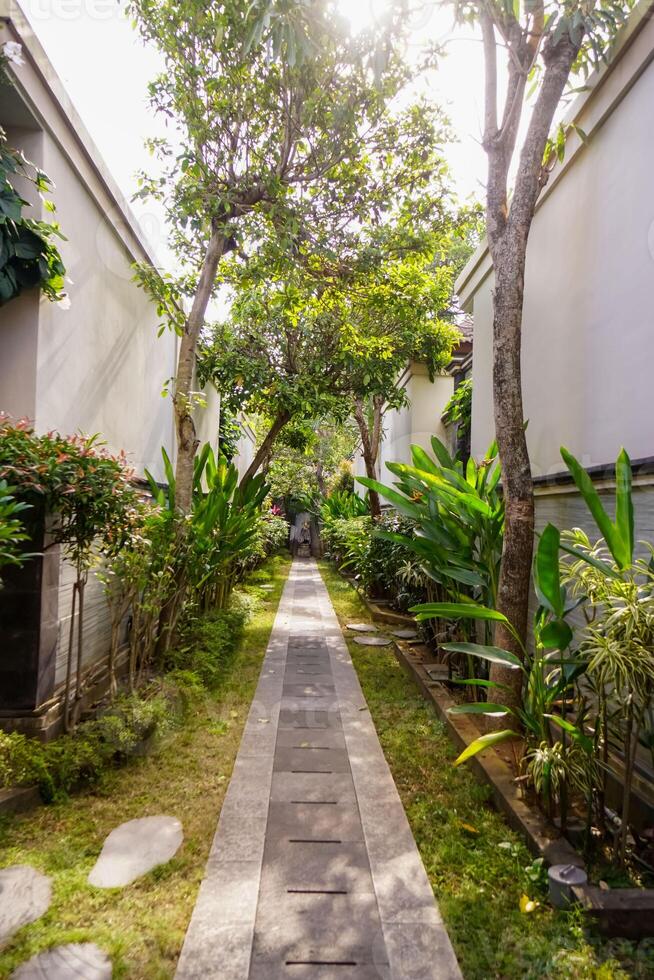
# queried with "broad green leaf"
point(602, 566)
point(620, 548)
point(547, 578)
point(480, 708)
point(478, 682)
point(441, 453)
point(404, 505)
point(584, 740)
point(624, 506)
point(495, 655)
point(458, 610)
point(485, 742)
point(556, 635)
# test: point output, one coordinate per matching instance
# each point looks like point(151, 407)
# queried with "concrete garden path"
point(313, 872)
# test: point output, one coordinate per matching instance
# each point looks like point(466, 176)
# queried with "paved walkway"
point(313, 872)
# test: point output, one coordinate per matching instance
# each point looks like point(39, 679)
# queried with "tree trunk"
point(508, 228)
point(266, 446)
point(515, 576)
point(370, 443)
point(187, 442)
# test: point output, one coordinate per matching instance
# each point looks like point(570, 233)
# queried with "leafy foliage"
point(28, 255)
point(74, 478)
point(458, 410)
point(71, 761)
point(458, 515)
point(12, 531)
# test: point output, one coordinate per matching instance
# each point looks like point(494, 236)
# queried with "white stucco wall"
point(418, 422)
point(588, 328)
point(100, 365)
point(245, 449)
point(414, 424)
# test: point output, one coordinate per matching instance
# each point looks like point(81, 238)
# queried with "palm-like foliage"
point(459, 517)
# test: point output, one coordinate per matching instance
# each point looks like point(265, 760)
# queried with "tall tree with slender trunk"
point(537, 46)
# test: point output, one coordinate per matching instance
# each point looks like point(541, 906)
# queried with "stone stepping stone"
point(134, 848)
point(405, 634)
point(76, 961)
point(25, 895)
point(373, 641)
point(362, 627)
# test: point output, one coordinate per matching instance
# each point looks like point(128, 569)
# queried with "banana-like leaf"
point(602, 566)
point(584, 740)
point(403, 505)
point(478, 682)
point(485, 742)
point(546, 571)
point(495, 655)
point(624, 505)
point(556, 635)
point(458, 610)
point(620, 546)
point(441, 453)
point(480, 708)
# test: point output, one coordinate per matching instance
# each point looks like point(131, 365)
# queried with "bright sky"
point(105, 70)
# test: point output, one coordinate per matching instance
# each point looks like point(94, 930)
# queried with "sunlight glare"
point(363, 13)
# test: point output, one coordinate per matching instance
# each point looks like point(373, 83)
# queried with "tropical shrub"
point(87, 492)
point(618, 640)
point(28, 254)
point(83, 757)
point(209, 644)
point(457, 520)
point(342, 505)
point(579, 700)
point(381, 564)
point(12, 531)
point(458, 412)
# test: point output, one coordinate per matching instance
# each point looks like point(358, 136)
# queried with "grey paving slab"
point(313, 873)
point(75, 961)
point(313, 717)
point(310, 760)
point(337, 787)
point(304, 820)
point(25, 895)
point(325, 738)
point(134, 848)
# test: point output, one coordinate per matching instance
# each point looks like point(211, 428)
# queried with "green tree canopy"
point(296, 142)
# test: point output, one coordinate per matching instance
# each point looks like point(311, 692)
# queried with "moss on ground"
point(475, 863)
point(142, 926)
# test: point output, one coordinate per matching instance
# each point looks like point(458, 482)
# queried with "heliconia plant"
point(548, 674)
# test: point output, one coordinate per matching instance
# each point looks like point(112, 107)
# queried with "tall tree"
point(252, 134)
point(537, 46)
point(296, 345)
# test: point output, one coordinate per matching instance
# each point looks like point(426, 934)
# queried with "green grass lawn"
point(475, 863)
point(142, 926)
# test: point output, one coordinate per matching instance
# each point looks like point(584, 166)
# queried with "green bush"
point(383, 568)
point(81, 758)
point(208, 646)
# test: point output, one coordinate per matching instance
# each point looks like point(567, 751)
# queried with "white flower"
point(13, 52)
point(64, 302)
